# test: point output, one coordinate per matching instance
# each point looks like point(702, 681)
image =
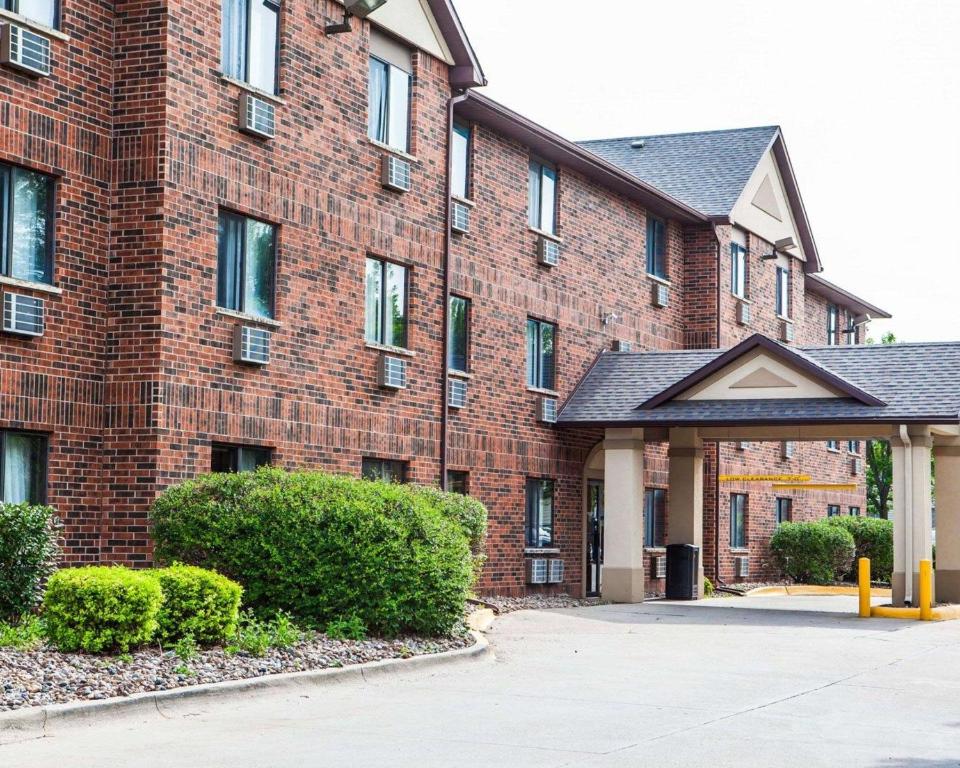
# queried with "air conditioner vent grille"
point(548, 251)
point(396, 174)
point(555, 572)
point(537, 571)
point(460, 219)
point(392, 372)
point(457, 396)
point(548, 410)
point(251, 344)
point(257, 116)
point(661, 295)
point(24, 49)
point(23, 315)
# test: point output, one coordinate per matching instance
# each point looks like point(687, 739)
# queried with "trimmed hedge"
point(873, 538)
point(468, 513)
point(101, 608)
point(323, 547)
point(29, 553)
point(813, 552)
point(197, 603)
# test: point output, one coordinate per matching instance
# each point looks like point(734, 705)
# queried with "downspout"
point(907, 504)
point(447, 238)
point(716, 468)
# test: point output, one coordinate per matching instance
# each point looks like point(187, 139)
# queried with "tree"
point(879, 464)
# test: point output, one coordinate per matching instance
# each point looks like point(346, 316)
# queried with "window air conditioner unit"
point(787, 449)
point(25, 50)
point(555, 572)
point(548, 251)
point(395, 173)
point(537, 571)
point(392, 372)
point(742, 445)
point(548, 410)
point(786, 330)
point(22, 315)
point(856, 466)
point(661, 295)
point(743, 312)
point(457, 395)
point(460, 217)
point(658, 567)
point(742, 566)
point(251, 344)
point(257, 116)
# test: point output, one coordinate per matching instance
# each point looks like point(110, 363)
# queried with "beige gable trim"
point(412, 21)
point(759, 376)
point(766, 199)
point(764, 209)
point(762, 378)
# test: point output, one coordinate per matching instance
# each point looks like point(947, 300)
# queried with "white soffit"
point(759, 376)
point(412, 20)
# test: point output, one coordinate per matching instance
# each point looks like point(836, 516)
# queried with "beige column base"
point(948, 586)
point(897, 582)
point(623, 585)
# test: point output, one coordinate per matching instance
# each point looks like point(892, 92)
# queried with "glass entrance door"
point(594, 536)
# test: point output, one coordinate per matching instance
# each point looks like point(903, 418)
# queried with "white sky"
point(867, 94)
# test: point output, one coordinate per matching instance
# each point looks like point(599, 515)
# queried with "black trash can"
point(683, 564)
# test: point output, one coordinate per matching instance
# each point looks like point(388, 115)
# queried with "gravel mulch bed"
point(505, 604)
point(45, 676)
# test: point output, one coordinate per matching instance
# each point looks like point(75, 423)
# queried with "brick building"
point(236, 233)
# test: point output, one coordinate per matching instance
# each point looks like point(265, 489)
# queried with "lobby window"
point(833, 324)
point(738, 275)
point(238, 458)
point(246, 260)
point(784, 510)
point(783, 292)
point(457, 481)
point(388, 116)
point(542, 203)
point(738, 520)
point(854, 511)
point(539, 512)
point(460, 180)
point(853, 446)
point(386, 470)
point(458, 355)
point(250, 42)
point(833, 446)
point(23, 468)
point(26, 224)
point(44, 12)
point(654, 516)
point(541, 352)
point(386, 303)
point(656, 247)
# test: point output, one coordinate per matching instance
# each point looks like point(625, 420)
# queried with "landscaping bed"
point(504, 604)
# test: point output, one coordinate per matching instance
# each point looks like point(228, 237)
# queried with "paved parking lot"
point(778, 681)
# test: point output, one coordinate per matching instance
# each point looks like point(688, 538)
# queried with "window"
point(539, 512)
point(784, 510)
point(854, 511)
point(387, 470)
point(541, 338)
point(23, 468)
point(853, 446)
point(853, 330)
point(833, 323)
point(738, 520)
point(238, 458)
point(460, 180)
point(26, 224)
point(656, 248)
point(457, 482)
point(738, 277)
point(386, 303)
point(246, 260)
point(654, 516)
point(458, 358)
point(783, 291)
point(542, 205)
point(388, 116)
point(41, 11)
point(833, 445)
point(249, 42)
point(833, 510)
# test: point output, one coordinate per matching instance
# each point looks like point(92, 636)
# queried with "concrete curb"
point(36, 722)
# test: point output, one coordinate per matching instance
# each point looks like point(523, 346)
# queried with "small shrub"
point(872, 538)
point(186, 648)
point(346, 629)
point(197, 603)
point(27, 634)
point(256, 636)
point(707, 587)
point(29, 553)
point(101, 608)
point(814, 552)
point(283, 632)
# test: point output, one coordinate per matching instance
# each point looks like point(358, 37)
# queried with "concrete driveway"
point(777, 681)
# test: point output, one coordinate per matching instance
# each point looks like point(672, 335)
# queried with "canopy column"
point(685, 494)
point(623, 516)
point(947, 470)
point(910, 454)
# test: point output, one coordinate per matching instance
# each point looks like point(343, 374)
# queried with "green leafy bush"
point(256, 636)
point(872, 538)
point(346, 629)
point(707, 587)
point(321, 547)
point(24, 635)
point(29, 553)
point(468, 513)
point(814, 552)
point(101, 608)
point(197, 603)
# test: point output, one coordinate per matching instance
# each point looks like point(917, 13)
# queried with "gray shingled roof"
point(706, 170)
point(918, 383)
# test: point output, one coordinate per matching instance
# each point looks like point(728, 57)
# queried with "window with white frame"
point(541, 354)
point(460, 148)
point(656, 247)
point(783, 290)
point(833, 324)
point(46, 12)
point(386, 303)
point(738, 264)
point(542, 202)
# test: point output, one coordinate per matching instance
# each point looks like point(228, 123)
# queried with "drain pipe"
point(447, 237)
point(907, 504)
point(716, 463)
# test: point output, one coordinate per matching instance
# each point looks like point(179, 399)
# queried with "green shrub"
point(26, 634)
point(198, 603)
point(872, 538)
point(256, 636)
point(469, 514)
point(101, 608)
point(29, 553)
point(707, 587)
point(346, 629)
point(321, 547)
point(814, 552)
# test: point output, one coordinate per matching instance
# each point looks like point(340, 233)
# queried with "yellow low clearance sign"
point(765, 478)
point(814, 486)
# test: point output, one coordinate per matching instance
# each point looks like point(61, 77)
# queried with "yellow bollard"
point(863, 579)
point(926, 590)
